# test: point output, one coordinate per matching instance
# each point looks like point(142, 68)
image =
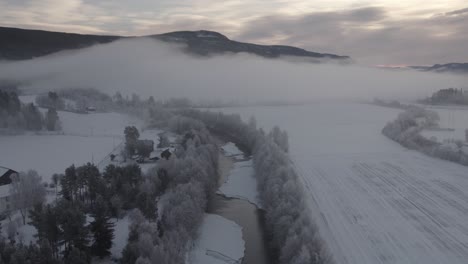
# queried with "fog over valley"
point(233, 132)
point(149, 67)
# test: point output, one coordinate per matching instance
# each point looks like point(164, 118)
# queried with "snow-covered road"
point(374, 201)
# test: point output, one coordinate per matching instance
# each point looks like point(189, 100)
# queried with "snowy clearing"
point(220, 242)
point(97, 124)
point(374, 201)
point(85, 138)
point(241, 183)
point(51, 154)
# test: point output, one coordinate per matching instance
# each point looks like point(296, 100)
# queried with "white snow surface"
point(97, 124)
point(85, 138)
point(230, 150)
point(241, 183)
point(51, 154)
point(373, 200)
point(220, 242)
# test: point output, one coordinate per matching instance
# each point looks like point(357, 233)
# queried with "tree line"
point(18, 116)
point(63, 232)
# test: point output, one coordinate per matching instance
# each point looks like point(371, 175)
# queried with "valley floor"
point(374, 201)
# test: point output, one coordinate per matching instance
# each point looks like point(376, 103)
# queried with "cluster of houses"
point(5, 186)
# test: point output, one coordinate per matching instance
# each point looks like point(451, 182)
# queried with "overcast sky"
point(390, 32)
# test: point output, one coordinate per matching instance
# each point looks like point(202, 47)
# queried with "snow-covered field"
point(220, 242)
point(86, 138)
point(51, 154)
point(374, 201)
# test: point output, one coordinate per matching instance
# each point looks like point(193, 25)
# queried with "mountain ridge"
point(24, 44)
point(453, 67)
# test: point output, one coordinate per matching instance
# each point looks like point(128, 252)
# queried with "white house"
point(5, 185)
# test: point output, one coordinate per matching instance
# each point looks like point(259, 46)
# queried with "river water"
point(246, 215)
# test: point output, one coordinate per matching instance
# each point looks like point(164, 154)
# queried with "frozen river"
point(374, 201)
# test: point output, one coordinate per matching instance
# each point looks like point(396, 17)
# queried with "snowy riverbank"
point(241, 183)
point(220, 242)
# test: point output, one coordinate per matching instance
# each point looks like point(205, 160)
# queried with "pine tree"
point(72, 221)
point(51, 120)
point(77, 256)
point(131, 138)
point(102, 229)
point(69, 183)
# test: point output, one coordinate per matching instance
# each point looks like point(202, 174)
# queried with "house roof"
point(5, 174)
point(3, 170)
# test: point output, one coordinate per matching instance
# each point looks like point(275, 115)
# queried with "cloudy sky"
point(390, 32)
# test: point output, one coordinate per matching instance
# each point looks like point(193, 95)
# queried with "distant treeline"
point(391, 104)
point(448, 96)
point(15, 115)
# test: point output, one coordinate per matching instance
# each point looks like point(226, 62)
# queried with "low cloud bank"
point(148, 67)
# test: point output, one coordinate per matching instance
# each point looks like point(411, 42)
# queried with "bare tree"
point(26, 191)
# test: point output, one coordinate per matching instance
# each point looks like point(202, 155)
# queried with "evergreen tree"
point(102, 229)
point(69, 183)
point(72, 221)
point(77, 256)
point(52, 119)
point(33, 117)
point(49, 228)
point(147, 205)
point(131, 138)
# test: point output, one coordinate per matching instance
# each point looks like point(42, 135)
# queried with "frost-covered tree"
point(52, 121)
point(280, 138)
point(163, 141)
point(27, 190)
point(45, 220)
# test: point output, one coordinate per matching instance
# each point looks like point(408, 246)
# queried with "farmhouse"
point(5, 184)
